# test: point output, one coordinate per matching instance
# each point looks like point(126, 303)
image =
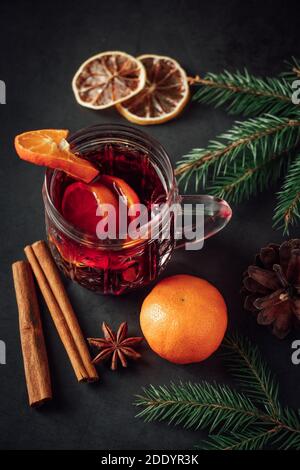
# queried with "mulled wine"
point(109, 266)
point(130, 164)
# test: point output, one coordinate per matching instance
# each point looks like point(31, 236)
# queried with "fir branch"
point(264, 136)
point(255, 153)
point(251, 372)
point(293, 72)
point(246, 440)
point(287, 437)
point(220, 409)
point(240, 183)
point(287, 211)
point(197, 405)
point(254, 439)
point(246, 94)
point(233, 418)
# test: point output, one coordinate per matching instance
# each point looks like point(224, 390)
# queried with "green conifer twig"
point(254, 153)
point(233, 420)
point(264, 136)
point(245, 94)
point(293, 71)
point(251, 372)
point(288, 208)
point(240, 183)
point(245, 440)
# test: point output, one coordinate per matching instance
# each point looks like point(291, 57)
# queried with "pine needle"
point(293, 70)
point(245, 94)
point(241, 183)
point(251, 372)
point(255, 153)
point(197, 405)
point(287, 211)
point(234, 420)
point(245, 440)
point(246, 141)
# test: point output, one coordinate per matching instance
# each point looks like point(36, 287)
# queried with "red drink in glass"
point(108, 266)
point(118, 266)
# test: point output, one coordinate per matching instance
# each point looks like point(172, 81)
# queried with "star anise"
point(115, 346)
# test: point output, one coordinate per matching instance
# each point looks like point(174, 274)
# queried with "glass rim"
point(86, 239)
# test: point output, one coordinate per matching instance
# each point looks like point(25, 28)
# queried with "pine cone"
point(272, 287)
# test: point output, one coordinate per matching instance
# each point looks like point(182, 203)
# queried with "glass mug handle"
point(215, 213)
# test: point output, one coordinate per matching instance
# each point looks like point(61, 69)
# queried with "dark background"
point(42, 44)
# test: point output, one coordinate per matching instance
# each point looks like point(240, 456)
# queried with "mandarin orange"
point(184, 319)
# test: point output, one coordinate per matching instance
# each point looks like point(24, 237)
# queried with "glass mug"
point(119, 266)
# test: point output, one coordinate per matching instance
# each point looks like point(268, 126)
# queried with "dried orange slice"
point(164, 96)
point(107, 79)
point(48, 147)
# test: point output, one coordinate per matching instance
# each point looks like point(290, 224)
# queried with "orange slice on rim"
point(164, 96)
point(48, 147)
point(107, 79)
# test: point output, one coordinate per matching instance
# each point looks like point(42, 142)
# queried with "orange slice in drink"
point(107, 79)
point(122, 189)
point(164, 96)
point(48, 147)
point(80, 203)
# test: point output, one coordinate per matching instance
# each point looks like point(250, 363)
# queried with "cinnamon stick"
point(32, 337)
point(61, 310)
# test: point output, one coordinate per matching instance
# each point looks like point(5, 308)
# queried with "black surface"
point(42, 44)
